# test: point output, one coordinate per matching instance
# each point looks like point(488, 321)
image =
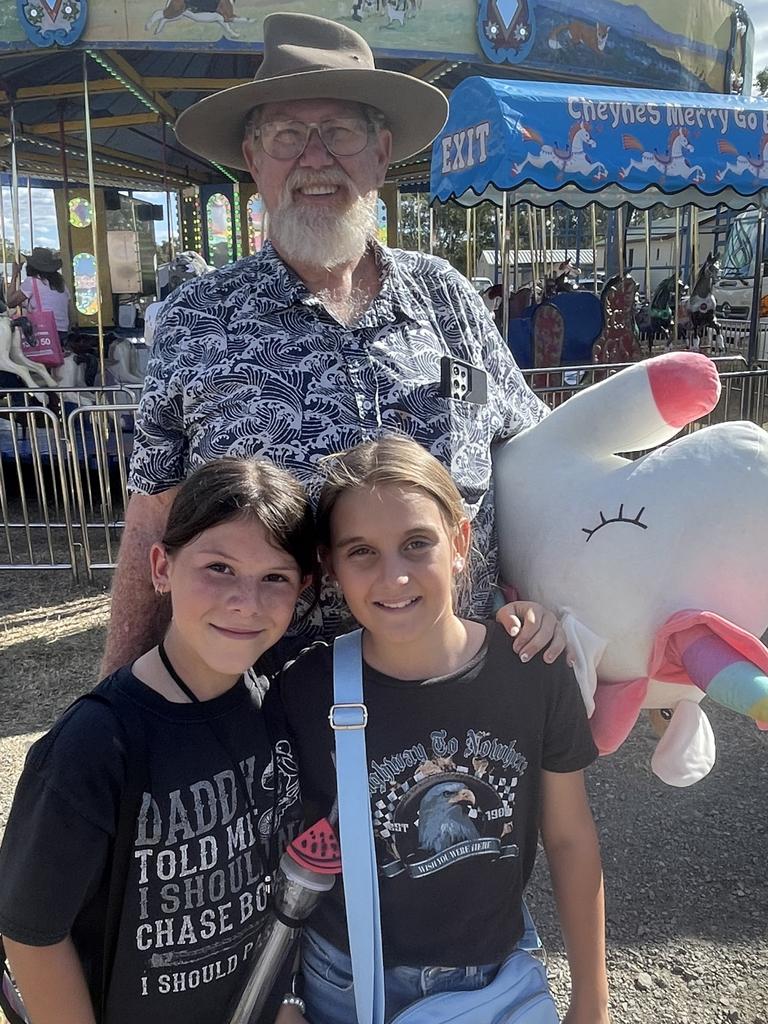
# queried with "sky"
point(44, 216)
point(758, 12)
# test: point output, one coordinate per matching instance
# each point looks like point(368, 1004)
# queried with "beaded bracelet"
point(289, 999)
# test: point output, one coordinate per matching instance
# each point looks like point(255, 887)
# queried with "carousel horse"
point(660, 320)
point(12, 358)
point(702, 307)
point(121, 362)
point(71, 375)
point(619, 340)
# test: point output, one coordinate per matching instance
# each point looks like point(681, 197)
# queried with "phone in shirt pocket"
point(462, 381)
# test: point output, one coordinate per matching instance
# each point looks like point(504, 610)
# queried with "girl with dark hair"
point(134, 874)
point(43, 288)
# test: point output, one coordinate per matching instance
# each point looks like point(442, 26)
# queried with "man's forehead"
point(308, 109)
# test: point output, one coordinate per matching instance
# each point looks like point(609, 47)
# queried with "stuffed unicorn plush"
point(659, 566)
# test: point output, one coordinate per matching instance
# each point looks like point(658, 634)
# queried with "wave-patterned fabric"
point(247, 362)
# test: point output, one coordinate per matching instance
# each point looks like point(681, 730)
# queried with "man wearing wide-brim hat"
point(324, 337)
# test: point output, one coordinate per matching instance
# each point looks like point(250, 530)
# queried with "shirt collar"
point(394, 301)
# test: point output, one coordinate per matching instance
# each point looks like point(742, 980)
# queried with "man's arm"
point(570, 841)
point(51, 982)
point(138, 618)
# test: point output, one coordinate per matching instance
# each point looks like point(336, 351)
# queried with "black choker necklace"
point(174, 674)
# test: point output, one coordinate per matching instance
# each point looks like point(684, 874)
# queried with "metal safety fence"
point(63, 476)
point(64, 460)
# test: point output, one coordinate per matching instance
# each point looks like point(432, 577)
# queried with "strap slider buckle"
point(343, 717)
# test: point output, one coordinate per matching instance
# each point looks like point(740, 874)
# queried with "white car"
point(480, 284)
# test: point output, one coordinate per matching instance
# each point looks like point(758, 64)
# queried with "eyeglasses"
point(287, 140)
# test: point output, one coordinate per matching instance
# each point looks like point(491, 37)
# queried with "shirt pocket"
point(471, 435)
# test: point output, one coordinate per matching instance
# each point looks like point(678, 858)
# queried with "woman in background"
point(43, 288)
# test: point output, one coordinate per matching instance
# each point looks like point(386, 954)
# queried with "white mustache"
point(302, 177)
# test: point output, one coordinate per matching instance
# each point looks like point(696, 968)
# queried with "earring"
point(159, 590)
point(458, 563)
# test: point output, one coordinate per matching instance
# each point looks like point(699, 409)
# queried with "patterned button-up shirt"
point(248, 362)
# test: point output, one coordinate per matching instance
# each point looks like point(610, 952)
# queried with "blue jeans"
point(329, 992)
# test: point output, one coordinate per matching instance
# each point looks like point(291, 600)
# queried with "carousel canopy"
point(545, 143)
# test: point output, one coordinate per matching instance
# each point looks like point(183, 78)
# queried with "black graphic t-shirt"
point(214, 803)
point(455, 780)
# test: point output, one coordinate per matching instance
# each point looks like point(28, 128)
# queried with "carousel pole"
point(647, 219)
point(695, 248)
point(31, 218)
point(94, 234)
point(532, 249)
point(542, 227)
point(757, 291)
point(2, 235)
point(468, 253)
point(431, 230)
point(677, 268)
point(65, 178)
point(171, 245)
point(14, 187)
point(553, 269)
point(504, 252)
point(620, 238)
point(516, 258)
point(418, 206)
point(593, 211)
point(475, 212)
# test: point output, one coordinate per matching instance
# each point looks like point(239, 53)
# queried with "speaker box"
point(149, 211)
point(111, 199)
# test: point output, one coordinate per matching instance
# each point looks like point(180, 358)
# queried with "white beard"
point(310, 236)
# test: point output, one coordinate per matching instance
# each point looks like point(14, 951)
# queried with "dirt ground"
point(687, 891)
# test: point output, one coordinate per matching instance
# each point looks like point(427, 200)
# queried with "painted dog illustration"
point(220, 12)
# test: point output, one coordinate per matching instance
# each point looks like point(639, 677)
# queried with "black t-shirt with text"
point(216, 806)
point(455, 779)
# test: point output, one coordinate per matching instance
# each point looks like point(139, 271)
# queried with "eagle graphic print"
point(435, 806)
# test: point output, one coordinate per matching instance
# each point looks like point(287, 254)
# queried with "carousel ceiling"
point(133, 100)
point(123, 97)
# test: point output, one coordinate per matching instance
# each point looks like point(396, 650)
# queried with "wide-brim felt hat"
point(306, 57)
point(43, 260)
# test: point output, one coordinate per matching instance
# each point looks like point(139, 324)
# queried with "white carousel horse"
point(71, 374)
point(745, 163)
point(121, 362)
point(672, 164)
point(17, 354)
point(13, 360)
point(574, 159)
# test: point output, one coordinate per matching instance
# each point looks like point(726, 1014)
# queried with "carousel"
point(89, 95)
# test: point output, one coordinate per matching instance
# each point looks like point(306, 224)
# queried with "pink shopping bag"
point(43, 345)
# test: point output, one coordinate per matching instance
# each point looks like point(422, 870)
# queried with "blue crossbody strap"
point(348, 717)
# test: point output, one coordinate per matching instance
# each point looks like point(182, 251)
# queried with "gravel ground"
point(685, 869)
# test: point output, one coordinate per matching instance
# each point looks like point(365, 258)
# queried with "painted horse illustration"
point(574, 159)
point(745, 163)
point(672, 164)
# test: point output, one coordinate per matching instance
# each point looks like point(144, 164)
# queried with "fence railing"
point(63, 476)
point(64, 463)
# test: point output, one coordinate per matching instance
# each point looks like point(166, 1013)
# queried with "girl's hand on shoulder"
point(534, 628)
